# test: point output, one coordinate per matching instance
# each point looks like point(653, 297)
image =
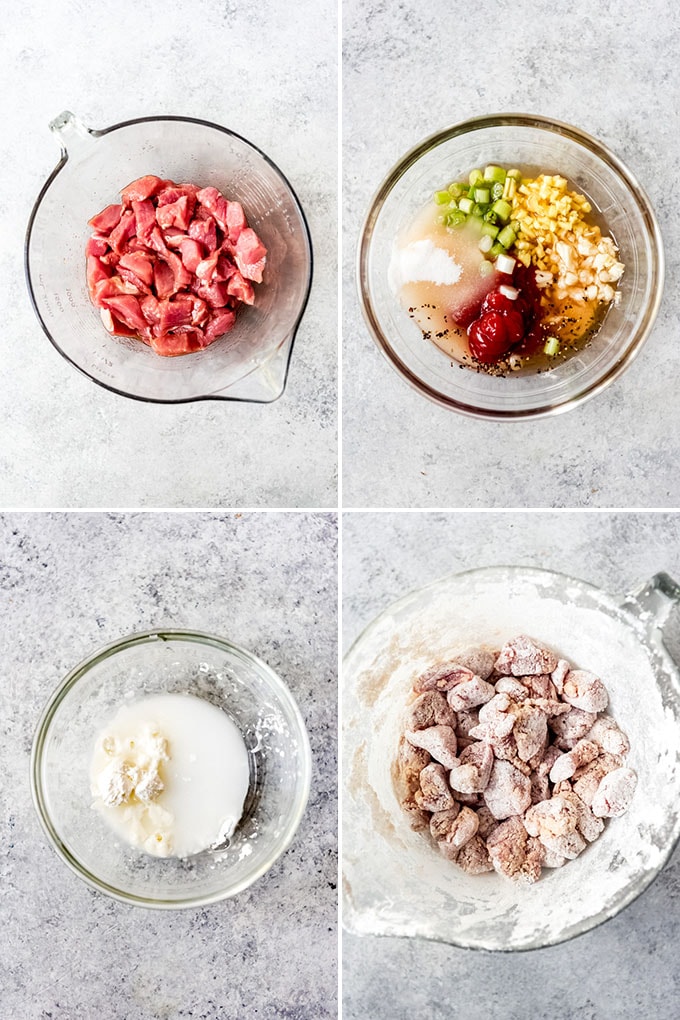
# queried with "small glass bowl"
point(249, 363)
point(549, 147)
point(171, 661)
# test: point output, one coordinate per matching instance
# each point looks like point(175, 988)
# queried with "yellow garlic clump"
point(572, 258)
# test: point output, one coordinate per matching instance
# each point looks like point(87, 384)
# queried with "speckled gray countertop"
point(413, 68)
point(624, 970)
point(71, 583)
point(64, 442)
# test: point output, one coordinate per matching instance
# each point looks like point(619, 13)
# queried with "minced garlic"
point(571, 257)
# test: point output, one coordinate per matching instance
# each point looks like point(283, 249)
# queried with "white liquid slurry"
point(170, 774)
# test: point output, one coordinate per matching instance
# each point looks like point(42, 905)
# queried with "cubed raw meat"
point(171, 264)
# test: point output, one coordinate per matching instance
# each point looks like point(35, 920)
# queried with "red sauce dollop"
point(502, 325)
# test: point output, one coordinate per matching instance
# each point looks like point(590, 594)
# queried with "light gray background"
point(71, 583)
point(415, 67)
point(254, 68)
point(625, 970)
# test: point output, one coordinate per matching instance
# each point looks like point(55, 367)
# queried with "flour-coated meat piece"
point(587, 824)
point(439, 741)
point(435, 792)
point(568, 846)
point(513, 853)
point(551, 706)
point(530, 731)
point(470, 694)
point(512, 687)
point(473, 772)
point(406, 769)
point(487, 822)
point(540, 686)
point(508, 792)
point(441, 822)
point(565, 766)
point(614, 794)
point(587, 779)
point(609, 736)
point(496, 718)
point(554, 817)
point(442, 677)
point(522, 656)
point(571, 727)
point(559, 674)
point(430, 709)
point(586, 691)
point(473, 858)
point(463, 828)
point(478, 660)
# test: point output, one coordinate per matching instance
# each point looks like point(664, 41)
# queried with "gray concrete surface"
point(413, 68)
point(624, 970)
point(64, 442)
point(71, 583)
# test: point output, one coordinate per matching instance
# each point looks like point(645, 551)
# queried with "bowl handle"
point(71, 132)
point(653, 601)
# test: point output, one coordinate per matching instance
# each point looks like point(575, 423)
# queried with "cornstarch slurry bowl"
point(154, 668)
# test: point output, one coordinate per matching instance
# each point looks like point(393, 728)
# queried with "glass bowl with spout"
point(395, 880)
point(250, 363)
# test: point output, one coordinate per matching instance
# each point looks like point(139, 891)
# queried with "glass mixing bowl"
point(547, 146)
point(250, 362)
point(172, 661)
point(395, 882)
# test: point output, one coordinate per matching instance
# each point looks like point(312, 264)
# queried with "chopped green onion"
point(494, 173)
point(442, 197)
point(457, 190)
point(490, 230)
point(466, 205)
point(476, 221)
point(496, 250)
point(516, 174)
point(480, 209)
point(455, 218)
point(503, 210)
point(497, 190)
point(485, 268)
point(482, 195)
point(510, 188)
point(507, 237)
point(486, 243)
point(490, 216)
point(476, 177)
point(552, 347)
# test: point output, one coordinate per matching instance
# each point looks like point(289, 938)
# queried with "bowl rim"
point(292, 334)
point(617, 605)
point(411, 157)
point(69, 682)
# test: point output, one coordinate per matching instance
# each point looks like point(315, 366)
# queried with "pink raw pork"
point(172, 264)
